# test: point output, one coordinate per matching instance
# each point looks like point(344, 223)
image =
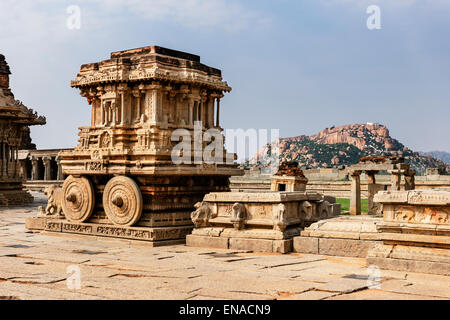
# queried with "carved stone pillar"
point(218, 113)
point(372, 188)
point(101, 106)
point(34, 168)
point(355, 200)
point(191, 111)
point(23, 172)
point(204, 110)
point(15, 159)
point(123, 110)
point(5, 160)
point(59, 174)
point(396, 179)
point(210, 106)
point(153, 101)
point(137, 96)
point(93, 111)
point(173, 107)
point(47, 168)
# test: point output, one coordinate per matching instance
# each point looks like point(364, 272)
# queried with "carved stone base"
point(415, 232)
point(258, 240)
point(12, 194)
point(343, 236)
point(156, 235)
point(410, 258)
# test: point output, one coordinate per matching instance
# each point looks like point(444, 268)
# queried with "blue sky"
point(298, 66)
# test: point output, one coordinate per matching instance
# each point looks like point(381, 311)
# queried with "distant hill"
point(345, 145)
point(441, 155)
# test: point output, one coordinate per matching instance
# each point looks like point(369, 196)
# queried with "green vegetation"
point(345, 204)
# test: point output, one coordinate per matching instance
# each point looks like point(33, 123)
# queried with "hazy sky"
point(299, 65)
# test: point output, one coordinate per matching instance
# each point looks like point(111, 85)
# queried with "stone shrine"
point(14, 134)
point(415, 232)
point(289, 178)
point(260, 221)
point(122, 180)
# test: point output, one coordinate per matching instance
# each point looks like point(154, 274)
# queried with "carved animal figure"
point(239, 215)
point(405, 215)
point(306, 211)
point(324, 209)
point(280, 222)
point(201, 216)
point(54, 195)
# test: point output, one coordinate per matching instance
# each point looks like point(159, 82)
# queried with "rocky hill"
point(345, 145)
point(441, 155)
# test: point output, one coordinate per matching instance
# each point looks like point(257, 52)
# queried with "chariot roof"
point(150, 63)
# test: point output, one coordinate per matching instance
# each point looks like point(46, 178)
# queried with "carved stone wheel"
point(122, 201)
point(78, 199)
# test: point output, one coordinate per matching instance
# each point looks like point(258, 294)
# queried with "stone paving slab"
point(34, 266)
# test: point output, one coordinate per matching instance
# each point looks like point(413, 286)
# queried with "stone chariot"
point(122, 180)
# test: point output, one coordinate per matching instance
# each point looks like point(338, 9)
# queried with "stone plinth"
point(264, 222)
point(415, 231)
point(156, 236)
point(342, 236)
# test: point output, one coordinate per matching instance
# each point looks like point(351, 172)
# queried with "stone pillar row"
point(373, 187)
point(47, 162)
point(184, 106)
point(9, 159)
point(397, 179)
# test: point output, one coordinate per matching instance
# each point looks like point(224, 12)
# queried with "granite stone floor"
point(50, 266)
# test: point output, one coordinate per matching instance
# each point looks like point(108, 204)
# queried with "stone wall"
point(338, 189)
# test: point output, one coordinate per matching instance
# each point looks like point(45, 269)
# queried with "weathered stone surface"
point(345, 247)
point(415, 197)
point(410, 265)
point(206, 242)
point(342, 236)
point(103, 230)
point(34, 266)
point(415, 232)
point(282, 246)
point(306, 245)
point(257, 245)
point(35, 223)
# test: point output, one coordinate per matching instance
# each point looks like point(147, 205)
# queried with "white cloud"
point(231, 15)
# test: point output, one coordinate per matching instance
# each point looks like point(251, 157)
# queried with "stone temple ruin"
point(415, 231)
point(396, 166)
point(14, 134)
point(122, 180)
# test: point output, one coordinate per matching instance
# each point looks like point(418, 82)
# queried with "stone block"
point(257, 245)
point(282, 246)
point(345, 247)
point(35, 223)
point(206, 241)
point(410, 265)
point(306, 245)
